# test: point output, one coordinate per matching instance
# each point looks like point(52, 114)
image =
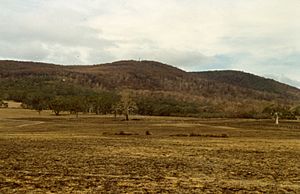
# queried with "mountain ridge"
point(156, 76)
point(118, 63)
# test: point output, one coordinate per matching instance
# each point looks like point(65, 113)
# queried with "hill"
point(228, 91)
point(247, 80)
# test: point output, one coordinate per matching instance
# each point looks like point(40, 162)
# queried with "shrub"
point(148, 133)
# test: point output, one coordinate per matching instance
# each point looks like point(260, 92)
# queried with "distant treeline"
point(44, 93)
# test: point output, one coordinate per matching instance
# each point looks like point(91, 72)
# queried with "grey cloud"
point(35, 33)
point(248, 40)
point(26, 51)
point(218, 62)
point(64, 55)
point(100, 56)
point(188, 60)
point(58, 26)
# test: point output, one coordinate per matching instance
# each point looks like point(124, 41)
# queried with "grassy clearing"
point(44, 153)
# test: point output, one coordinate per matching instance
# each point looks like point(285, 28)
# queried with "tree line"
point(117, 103)
point(45, 93)
point(127, 102)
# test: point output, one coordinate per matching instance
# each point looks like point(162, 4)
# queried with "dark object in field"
point(179, 135)
point(126, 133)
point(135, 119)
point(201, 135)
point(209, 135)
point(148, 133)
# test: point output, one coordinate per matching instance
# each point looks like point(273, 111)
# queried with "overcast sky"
point(257, 36)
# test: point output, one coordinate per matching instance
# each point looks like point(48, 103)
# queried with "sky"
point(257, 36)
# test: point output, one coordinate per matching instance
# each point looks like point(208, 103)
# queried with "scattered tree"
point(58, 104)
point(126, 105)
point(103, 103)
point(75, 104)
point(36, 101)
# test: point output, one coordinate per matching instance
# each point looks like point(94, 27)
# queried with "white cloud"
point(260, 36)
point(48, 32)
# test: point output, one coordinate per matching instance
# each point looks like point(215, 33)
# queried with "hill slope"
point(247, 80)
point(221, 86)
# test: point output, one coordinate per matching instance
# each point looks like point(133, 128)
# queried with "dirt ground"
point(97, 154)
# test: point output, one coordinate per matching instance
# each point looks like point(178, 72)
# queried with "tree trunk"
point(115, 114)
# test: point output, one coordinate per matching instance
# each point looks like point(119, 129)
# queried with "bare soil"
point(97, 154)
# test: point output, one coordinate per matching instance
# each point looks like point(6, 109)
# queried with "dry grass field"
point(97, 154)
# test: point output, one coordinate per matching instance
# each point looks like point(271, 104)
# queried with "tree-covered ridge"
point(155, 89)
point(154, 76)
point(250, 81)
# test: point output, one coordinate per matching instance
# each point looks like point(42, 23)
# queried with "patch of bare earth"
point(63, 155)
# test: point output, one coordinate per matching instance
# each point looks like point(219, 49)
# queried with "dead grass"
point(13, 104)
point(63, 154)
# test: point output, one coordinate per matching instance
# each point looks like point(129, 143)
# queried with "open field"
point(49, 154)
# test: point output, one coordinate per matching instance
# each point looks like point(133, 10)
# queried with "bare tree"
point(127, 104)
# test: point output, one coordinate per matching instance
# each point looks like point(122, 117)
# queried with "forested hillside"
point(247, 80)
point(155, 88)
